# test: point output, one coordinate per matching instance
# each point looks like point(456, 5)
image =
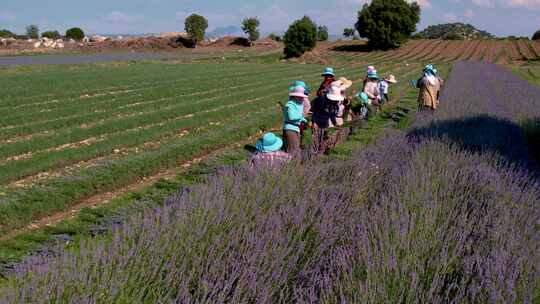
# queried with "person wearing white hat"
point(384, 88)
point(325, 111)
point(293, 114)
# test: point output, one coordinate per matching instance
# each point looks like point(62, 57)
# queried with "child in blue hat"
point(269, 152)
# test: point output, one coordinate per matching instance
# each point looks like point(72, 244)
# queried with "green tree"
point(388, 23)
point(32, 31)
point(196, 26)
point(301, 37)
point(6, 34)
point(349, 32)
point(51, 35)
point(453, 36)
point(322, 33)
point(275, 37)
point(75, 34)
point(536, 35)
point(250, 26)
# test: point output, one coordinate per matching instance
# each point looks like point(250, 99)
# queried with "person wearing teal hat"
point(371, 88)
point(307, 90)
point(269, 152)
point(430, 86)
point(294, 120)
point(329, 77)
point(364, 104)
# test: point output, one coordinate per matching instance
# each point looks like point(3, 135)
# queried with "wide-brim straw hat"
point(335, 91)
point(269, 143)
point(346, 83)
point(391, 79)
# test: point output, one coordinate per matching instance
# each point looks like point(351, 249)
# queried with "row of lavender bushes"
point(431, 216)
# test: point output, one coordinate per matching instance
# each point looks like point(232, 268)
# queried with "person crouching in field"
point(325, 111)
point(384, 86)
point(430, 86)
point(293, 115)
point(364, 103)
point(329, 77)
point(371, 88)
point(269, 152)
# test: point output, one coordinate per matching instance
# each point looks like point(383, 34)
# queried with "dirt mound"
point(145, 43)
point(267, 43)
point(314, 56)
point(226, 41)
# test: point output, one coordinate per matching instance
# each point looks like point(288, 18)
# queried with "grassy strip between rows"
point(90, 222)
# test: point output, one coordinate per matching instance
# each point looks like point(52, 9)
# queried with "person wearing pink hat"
point(293, 116)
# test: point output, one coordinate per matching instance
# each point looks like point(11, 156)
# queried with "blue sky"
point(500, 17)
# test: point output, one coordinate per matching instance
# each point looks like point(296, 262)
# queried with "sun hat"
point(391, 79)
point(363, 97)
point(373, 75)
point(371, 69)
point(269, 143)
point(302, 84)
point(335, 91)
point(298, 92)
point(328, 72)
point(346, 83)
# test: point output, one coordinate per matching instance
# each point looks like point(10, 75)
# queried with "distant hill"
point(465, 31)
point(225, 31)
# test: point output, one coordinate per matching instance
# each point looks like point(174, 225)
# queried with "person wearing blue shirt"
point(293, 115)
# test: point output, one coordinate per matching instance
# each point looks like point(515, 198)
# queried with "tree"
point(196, 26)
point(349, 32)
point(275, 37)
point(388, 23)
point(32, 31)
point(536, 35)
point(250, 26)
point(301, 37)
point(322, 33)
point(75, 34)
point(51, 35)
point(6, 34)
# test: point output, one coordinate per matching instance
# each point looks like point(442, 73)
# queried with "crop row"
point(130, 103)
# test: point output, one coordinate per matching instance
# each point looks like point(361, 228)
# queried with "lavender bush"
point(425, 217)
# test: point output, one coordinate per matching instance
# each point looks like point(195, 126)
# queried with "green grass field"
point(71, 132)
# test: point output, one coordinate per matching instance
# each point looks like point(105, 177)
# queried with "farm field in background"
point(85, 130)
point(513, 52)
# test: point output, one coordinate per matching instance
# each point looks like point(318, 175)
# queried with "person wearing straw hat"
point(329, 77)
point(293, 115)
point(269, 152)
point(430, 86)
point(344, 105)
point(371, 88)
point(325, 111)
point(384, 86)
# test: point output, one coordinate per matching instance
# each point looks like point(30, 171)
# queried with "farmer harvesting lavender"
point(329, 77)
point(371, 88)
point(307, 91)
point(344, 105)
point(293, 114)
point(384, 88)
point(325, 113)
point(269, 152)
point(430, 86)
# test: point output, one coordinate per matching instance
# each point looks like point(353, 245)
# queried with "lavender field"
point(446, 212)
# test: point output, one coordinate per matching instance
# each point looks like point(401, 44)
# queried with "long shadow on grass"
point(488, 134)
